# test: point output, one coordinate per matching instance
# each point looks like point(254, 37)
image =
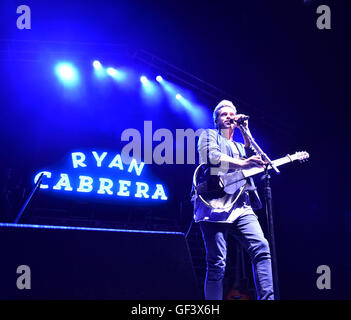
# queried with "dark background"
point(269, 57)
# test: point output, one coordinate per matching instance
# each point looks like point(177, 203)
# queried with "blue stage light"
point(99, 70)
point(144, 80)
point(150, 91)
point(159, 79)
point(118, 75)
point(196, 112)
point(97, 65)
point(112, 72)
point(67, 73)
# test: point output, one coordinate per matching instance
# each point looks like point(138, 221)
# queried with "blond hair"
point(223, 103)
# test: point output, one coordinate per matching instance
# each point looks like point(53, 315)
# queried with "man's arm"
point(246, 127)
point(246, 139)
point(254, 161)
point(210, 152)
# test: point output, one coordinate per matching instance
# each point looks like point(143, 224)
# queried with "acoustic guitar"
point(212, 186)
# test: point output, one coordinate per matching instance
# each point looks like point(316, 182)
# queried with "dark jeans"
point(248, 232)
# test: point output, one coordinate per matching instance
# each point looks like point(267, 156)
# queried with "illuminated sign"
point(82, 176)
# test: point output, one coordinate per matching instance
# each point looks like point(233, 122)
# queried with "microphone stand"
point(268, 200)
point(29, 198)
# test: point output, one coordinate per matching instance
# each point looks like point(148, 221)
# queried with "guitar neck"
point(278, 162)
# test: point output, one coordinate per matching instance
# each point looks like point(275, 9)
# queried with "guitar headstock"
point(300, 155)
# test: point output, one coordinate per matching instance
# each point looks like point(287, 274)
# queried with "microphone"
point(240, 121)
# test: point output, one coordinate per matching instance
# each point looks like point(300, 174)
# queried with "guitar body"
point(211, 186)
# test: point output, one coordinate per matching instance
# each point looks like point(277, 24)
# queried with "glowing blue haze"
point(67, 74)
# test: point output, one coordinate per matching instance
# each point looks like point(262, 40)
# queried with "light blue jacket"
point(210, 147)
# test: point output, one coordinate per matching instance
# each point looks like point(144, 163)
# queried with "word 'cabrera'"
point(102, 185)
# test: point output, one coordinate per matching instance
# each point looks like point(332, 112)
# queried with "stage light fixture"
point(97, 65)
point(159, 79)
point(149, 89)
point(144, 80)
point(67, 73)
point(112, 72)
point(196, 112)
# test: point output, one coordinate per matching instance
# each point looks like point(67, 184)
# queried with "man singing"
point(231, 211)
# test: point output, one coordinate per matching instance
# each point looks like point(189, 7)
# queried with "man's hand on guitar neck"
point(252, 162)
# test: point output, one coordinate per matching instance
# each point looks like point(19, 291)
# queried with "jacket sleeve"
point(209, 150)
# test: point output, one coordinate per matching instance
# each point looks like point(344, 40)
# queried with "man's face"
point(225, 114)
